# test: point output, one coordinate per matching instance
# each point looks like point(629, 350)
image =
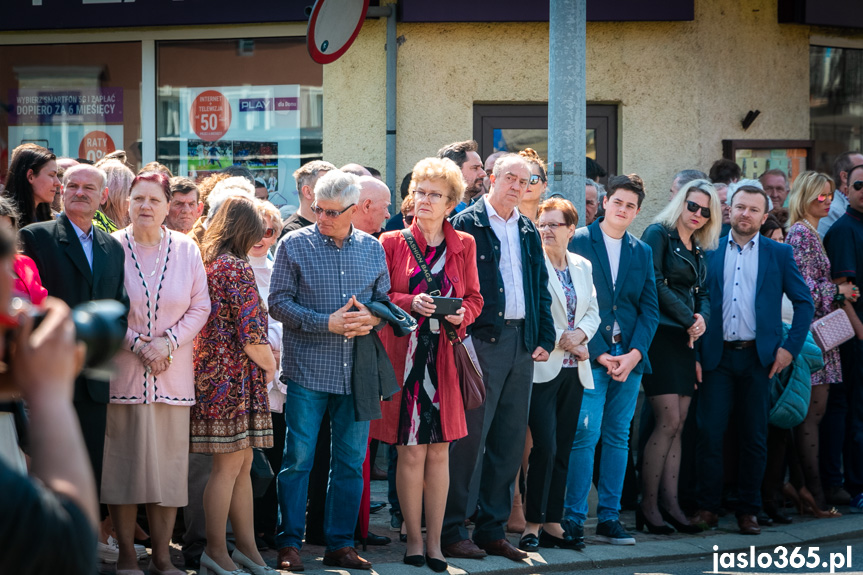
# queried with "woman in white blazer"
point(559, 383)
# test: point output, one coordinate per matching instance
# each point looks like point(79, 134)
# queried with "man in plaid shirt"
point(320, 276)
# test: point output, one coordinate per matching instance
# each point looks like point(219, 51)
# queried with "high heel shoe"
point(210, 567)
point(414, 560)
point(436, 565)
point(808, 505)
point(250, 565)
point(688, 528)
point(641, 522)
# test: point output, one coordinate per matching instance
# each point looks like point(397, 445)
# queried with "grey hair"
point(734, 186)
point(683, 177)
point(229, 187)
point(87, 167)
point(507, 160)
point(307, 174)
point(338, 186)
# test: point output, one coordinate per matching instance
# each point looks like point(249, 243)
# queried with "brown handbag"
point(466, 363)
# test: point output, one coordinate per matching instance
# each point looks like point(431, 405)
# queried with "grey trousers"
point(493, 431)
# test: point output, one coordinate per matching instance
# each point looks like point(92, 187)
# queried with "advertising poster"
point(82, 123)
point(253, 126)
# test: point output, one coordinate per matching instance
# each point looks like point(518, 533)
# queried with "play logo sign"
point(269, 104)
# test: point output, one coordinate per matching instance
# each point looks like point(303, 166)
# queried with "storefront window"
point(835, 102)
point(78, 100)
point(254, 103)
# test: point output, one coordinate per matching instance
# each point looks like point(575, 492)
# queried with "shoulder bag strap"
point(430, 281)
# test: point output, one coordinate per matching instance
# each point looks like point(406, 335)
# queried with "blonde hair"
point(805, 189)
point(439, 169)
point(268, 210)
point(119, 184)
point(532, 157)
point(708, 235)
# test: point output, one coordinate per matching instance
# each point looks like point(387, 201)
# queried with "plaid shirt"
point(312, 278)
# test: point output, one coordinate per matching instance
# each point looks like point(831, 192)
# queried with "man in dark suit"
point(514, 329)
point(742, 349)
point(629, 312)
point(78, 263)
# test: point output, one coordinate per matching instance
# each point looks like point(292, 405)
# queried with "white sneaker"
point(109, 552)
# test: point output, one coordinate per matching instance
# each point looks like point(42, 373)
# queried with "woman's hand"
point(456, 318)
point(422, 304)
point(580, 352)
point(696, 330)
point(157, 349)
point(571, 339)
point(850, 291)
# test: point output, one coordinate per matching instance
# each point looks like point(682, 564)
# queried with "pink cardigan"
point(182, 309)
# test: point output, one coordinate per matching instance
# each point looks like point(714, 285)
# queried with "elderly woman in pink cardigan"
point(153, 388)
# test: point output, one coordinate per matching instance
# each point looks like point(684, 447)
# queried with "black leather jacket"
point(680, 277)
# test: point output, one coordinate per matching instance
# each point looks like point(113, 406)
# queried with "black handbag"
point(466, 363)
point(402, 323)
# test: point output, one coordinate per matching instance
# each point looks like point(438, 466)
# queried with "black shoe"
point(376, 506)
point(764, 520)
point(415, 560)
point(612, 531)
point(396, 520)
point(549, 541)
point(777, 516)
point(641, 522)
point(573, 531)
point(193, 562)
point(372, 539)
point(529, 542)
point(436, 565)
point(688, 528)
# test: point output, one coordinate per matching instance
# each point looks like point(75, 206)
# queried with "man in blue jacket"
point(629, 312)
point(514, 329)
point(740, 352)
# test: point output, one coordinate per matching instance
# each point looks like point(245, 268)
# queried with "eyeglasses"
point(535, 179)
point(693, 207)
point(550, 226)
point(825, 197)
point(432, 197)
point(332, 214)
point(858, 185)
point(270, 232)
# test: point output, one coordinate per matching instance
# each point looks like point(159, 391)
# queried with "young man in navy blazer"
point(629, 312)
point(741, 350)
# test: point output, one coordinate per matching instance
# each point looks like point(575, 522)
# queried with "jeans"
point(304, 410)
point(607, 409)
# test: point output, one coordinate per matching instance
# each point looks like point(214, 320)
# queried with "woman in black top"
point(689, 224)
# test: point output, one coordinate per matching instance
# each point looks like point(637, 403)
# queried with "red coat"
point(460, 268)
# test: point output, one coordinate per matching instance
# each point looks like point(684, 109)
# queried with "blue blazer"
point(777, 274)
point(633, 303)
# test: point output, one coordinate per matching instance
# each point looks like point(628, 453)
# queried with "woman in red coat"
point(428, 413)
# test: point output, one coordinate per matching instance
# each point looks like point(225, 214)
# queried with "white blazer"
point(586, 317)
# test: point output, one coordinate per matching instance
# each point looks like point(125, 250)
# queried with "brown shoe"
point(748, 525)
point(464, 549)
point(289, 559)
point(345, 557)
point(706, 519)
point(504, 548)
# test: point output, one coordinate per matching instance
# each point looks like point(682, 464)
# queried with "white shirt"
point(612, 246)
point(86, 241)
point(510, 260)
point(738, 294)
point(276, 390)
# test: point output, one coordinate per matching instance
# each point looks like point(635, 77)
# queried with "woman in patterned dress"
point(428, 413)
point(233, 365)
point(152, 388)
point(810, 199)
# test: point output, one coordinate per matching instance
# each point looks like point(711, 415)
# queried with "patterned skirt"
point(419, 417)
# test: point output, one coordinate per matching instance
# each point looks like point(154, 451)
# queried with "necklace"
point(134, 246)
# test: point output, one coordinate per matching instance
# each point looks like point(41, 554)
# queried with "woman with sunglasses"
point(811, 195)
point(688, 225)
point(152, 389)
point(529, 204)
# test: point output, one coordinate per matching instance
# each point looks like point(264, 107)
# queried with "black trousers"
point(267, 506)
point(553, 419)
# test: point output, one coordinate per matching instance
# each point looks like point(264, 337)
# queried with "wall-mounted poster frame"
point(757, 156)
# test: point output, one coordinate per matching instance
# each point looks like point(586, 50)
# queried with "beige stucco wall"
point(681, 87)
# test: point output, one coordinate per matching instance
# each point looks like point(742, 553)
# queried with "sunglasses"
point(535, 179)
point(270, 232)
point(825, 197)
point(858, 185)
point(332, 214)
point(693, 207)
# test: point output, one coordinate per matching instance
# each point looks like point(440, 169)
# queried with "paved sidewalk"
point(387, 560)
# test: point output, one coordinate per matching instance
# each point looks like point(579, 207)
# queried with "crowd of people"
point(300, 345)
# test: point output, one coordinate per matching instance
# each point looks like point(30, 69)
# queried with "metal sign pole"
point(567, 106)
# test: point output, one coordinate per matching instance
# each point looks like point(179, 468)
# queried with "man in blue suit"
point(629, 312)
point(742, 349)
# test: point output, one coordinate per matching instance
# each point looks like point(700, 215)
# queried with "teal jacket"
point(790, 389)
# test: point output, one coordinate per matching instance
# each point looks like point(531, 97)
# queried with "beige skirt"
point(146, 455)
